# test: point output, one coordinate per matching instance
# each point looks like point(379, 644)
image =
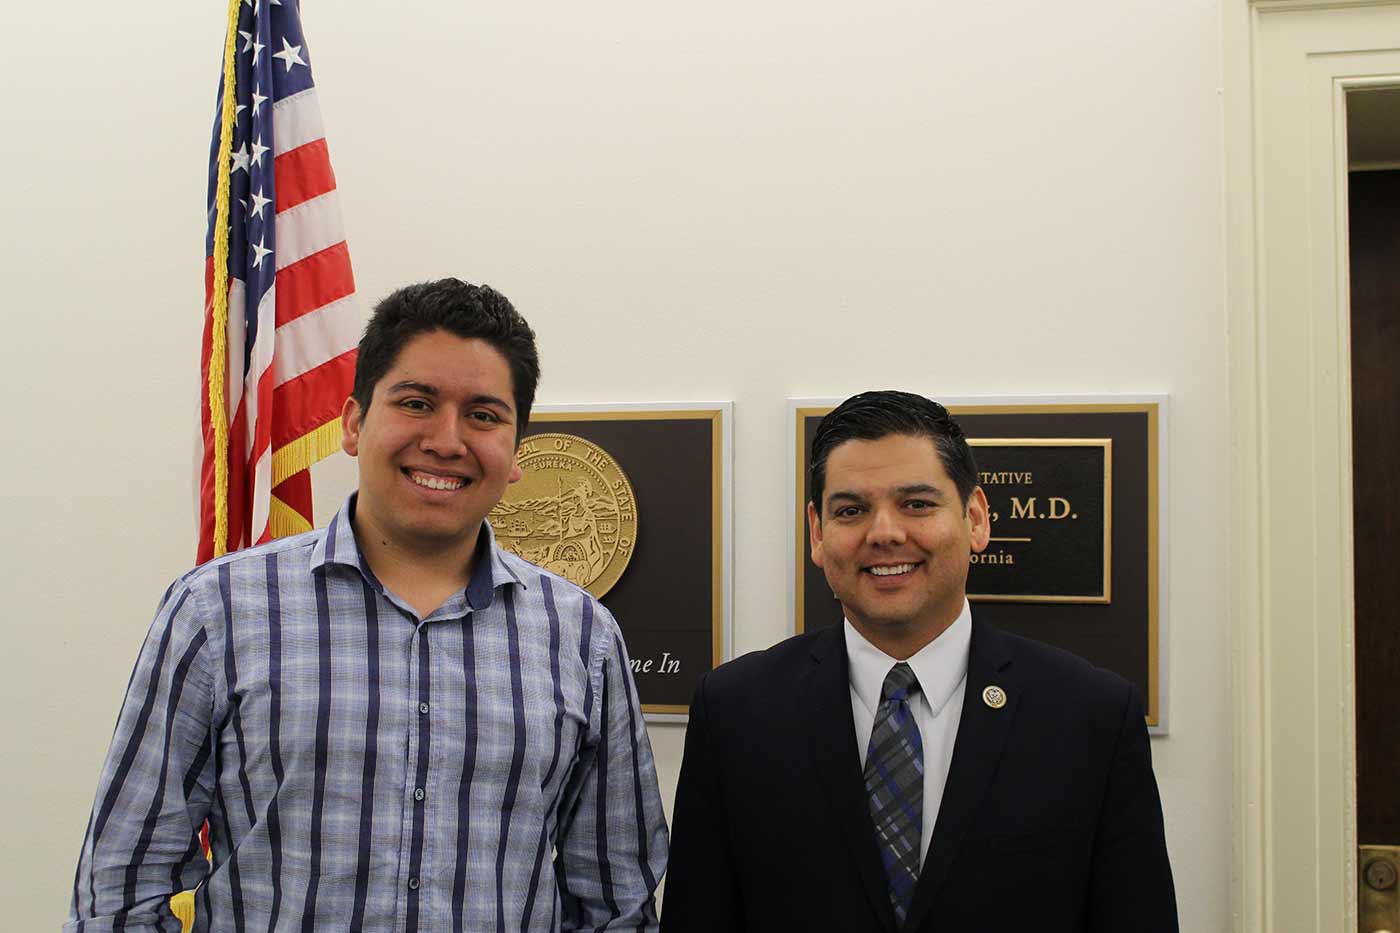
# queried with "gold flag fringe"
point(298, 455)
point(218, 352)
point(283, 520)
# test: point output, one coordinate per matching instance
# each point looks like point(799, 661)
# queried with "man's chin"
point(427, 535)
point(897, 625)
point(879, 621)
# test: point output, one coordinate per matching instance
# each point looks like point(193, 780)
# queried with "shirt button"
point(413, 884)
point(423, 708)
point(418, 793)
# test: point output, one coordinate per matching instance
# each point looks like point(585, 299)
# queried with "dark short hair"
point(870, 416)
point(462, 309)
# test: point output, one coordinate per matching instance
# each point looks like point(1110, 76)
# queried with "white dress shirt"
point(941, 667)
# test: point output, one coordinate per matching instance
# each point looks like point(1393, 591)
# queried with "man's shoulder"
point(206, 594)
point(757, 669)
point(249, 560)
point(1058, 663)
point(1069, 677)
point(529, 573)
point(570, 601)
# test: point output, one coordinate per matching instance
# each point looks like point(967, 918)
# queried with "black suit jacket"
point(1050, 820)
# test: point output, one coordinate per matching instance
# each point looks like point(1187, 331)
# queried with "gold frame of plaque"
point(1114, 616)
point(643, 450)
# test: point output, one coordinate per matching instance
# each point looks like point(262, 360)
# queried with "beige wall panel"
point(730, 200)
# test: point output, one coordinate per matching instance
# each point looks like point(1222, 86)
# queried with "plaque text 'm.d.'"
point(1051, 508)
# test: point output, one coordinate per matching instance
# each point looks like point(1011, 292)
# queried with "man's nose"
point(885, 526)
point(442, 435)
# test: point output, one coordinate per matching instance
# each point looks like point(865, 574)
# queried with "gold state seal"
point(572, 513)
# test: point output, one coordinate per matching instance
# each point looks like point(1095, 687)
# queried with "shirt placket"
point(416, 868)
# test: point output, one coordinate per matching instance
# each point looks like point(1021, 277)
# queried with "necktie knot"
point(900, 682)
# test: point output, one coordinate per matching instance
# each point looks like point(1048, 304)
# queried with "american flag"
point(293, 320)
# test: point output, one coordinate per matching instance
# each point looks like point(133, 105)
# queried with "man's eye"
point(918, 505)
point(489, 417)
point(847, 511)
point(414, 404)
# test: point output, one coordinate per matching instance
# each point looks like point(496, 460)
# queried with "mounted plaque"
point(1077, 529)
point(632, 503)
point(1051, 508)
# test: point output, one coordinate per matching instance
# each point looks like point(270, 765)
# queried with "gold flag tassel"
point(182, 904)
point(218, 352)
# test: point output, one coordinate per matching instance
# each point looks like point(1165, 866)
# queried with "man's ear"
point(515, 472)
point(979, 520)
point(814, 533)
point(351, 416)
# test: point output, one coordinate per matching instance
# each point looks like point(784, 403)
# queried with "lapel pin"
point(994, 696)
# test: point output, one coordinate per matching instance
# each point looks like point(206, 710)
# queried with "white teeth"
point(891, 571)
point(435, 482)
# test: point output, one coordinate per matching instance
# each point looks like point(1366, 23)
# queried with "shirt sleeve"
point(613, 852)
point(142, 840)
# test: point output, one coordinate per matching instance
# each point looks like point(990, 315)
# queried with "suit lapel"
point(982, 734)
point(831, 735)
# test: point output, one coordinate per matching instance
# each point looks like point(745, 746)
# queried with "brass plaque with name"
point(573, 513)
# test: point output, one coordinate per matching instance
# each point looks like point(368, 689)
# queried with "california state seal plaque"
point(573, 513)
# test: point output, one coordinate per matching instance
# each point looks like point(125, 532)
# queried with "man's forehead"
point(442, 362)
point(443, 345)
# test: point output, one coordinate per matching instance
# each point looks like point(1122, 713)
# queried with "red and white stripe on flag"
point(283, 406)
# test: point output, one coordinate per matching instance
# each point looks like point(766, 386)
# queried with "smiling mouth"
point(890, 570)
point(435, 480)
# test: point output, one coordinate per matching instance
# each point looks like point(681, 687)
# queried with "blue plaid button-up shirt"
point(484, 768)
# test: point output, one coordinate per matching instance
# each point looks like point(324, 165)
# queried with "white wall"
point(721, 200)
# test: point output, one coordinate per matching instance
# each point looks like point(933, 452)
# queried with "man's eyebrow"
point(913, 489)
point(424, 388)
point(409, 385)
point(919, 489)
point(492, 400)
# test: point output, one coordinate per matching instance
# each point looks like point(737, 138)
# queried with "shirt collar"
point(491, 570)
point(337, 545)
point(941, 665)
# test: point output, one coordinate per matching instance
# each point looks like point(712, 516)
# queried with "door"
point(1308, 757)
point(1374, 207)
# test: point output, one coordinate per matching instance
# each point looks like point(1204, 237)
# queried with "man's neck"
point(902, 642)
point(425, 574)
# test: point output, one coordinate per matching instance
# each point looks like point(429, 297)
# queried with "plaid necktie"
point(894, 778)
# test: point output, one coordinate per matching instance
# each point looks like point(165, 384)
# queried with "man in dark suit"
point(912, 770)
